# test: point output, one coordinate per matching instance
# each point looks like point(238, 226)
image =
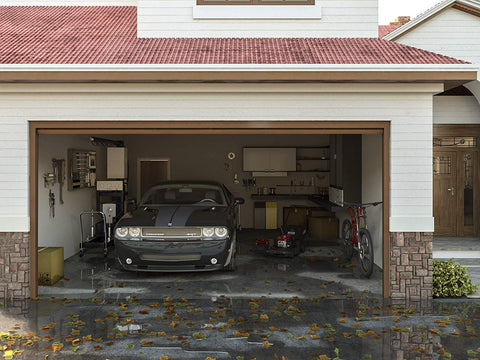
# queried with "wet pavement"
point(314, 306)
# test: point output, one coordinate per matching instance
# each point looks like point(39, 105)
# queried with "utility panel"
point(117, 163)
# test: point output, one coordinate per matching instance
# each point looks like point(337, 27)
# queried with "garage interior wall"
point(204, 157)
point(372, 190)
point(64, 229)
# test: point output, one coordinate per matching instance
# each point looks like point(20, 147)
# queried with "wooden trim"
point(210, 127)
point(386, 210)
point(468, 9)
point(456, 130)
point(33, 180)
point(240, 76)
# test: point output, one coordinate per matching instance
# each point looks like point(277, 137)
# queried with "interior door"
point(151, 172)
point(445, 192)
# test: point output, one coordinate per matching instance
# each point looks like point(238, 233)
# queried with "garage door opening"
point(293, 191)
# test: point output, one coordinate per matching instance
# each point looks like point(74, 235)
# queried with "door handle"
point(452, 191)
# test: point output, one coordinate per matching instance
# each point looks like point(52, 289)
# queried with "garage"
point(318, 161)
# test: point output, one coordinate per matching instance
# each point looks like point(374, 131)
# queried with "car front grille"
point(172, 233)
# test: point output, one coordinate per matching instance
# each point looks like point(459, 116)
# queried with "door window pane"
point(442, 165)
point(468, 189)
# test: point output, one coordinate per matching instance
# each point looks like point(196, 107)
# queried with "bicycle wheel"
point(366, 252)
point(347, 239)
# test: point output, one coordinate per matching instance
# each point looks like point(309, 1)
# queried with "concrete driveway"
point(314, 306)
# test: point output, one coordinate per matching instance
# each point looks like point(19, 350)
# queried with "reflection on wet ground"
point(311, 307)
point(358, 325)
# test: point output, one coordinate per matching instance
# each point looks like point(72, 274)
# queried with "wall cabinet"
point(269, 159)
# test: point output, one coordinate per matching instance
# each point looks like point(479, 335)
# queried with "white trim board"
point(411, 224)
point(14, 224)
point(288, 12)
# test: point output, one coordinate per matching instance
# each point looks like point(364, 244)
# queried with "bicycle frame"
point(357, 213)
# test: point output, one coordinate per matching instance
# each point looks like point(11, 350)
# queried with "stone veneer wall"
point(14, 265)
point(411, 265)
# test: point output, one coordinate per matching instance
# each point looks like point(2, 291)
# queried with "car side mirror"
point(239, 201)
point(131, 205)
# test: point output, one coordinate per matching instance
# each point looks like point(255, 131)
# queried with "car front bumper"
point(171, 256)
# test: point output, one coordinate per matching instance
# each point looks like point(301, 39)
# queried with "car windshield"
point(184, 194)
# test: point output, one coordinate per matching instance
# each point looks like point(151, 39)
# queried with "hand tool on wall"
point(59, 169)
point(51, 203)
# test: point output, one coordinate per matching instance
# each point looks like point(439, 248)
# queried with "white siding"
point(453, 33)
point(340, 18)
point(410, 111)
point(456, 110)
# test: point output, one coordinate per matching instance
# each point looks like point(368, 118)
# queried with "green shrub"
point(451, 280)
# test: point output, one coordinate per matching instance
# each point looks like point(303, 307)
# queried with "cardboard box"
point(50, 265)
point(271, 215)
point(297, 215)
point(323, 228)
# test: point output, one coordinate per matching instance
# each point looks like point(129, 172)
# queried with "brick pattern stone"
point(411, 265)
point(14, 265)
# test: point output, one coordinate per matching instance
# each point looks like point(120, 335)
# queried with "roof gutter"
point(236, 72)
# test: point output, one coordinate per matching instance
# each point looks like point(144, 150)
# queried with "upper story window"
point(255, 2)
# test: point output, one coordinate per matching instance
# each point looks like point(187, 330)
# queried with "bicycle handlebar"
point(364, 204)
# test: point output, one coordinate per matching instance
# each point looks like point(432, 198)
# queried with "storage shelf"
point(312, 171)
point(295, 185)
point(317, 159)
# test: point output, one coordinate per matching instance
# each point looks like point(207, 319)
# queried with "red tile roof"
point(384, 30)
point(107, 35)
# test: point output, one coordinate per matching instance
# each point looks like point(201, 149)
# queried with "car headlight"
point(121, 232)
point(134, 232)
point(208, 232)
point(221, 232)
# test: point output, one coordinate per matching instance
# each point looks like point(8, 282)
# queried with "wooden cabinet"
point(269, 159)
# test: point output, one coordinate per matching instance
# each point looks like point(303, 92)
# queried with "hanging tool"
point(51, 203)
point(59, 169)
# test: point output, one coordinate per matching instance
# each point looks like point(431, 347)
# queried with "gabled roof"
point(384, 30)
point(469, 6)
point(108, 35)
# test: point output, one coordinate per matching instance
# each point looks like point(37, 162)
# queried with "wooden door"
point(151, 172)
point(445, 192)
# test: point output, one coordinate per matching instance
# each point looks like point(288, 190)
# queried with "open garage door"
point(292, 190)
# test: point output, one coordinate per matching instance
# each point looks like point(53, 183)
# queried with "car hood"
point(176, 215)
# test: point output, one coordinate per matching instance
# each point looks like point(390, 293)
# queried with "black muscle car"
point(180, 226)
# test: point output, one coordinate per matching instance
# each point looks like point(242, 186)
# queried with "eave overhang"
point(111, 73)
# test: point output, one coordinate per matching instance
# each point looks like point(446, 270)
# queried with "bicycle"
point(357, 238)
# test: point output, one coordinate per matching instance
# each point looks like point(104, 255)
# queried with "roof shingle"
point(108, 35)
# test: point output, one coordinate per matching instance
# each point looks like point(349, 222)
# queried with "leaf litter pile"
point(331, 326)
